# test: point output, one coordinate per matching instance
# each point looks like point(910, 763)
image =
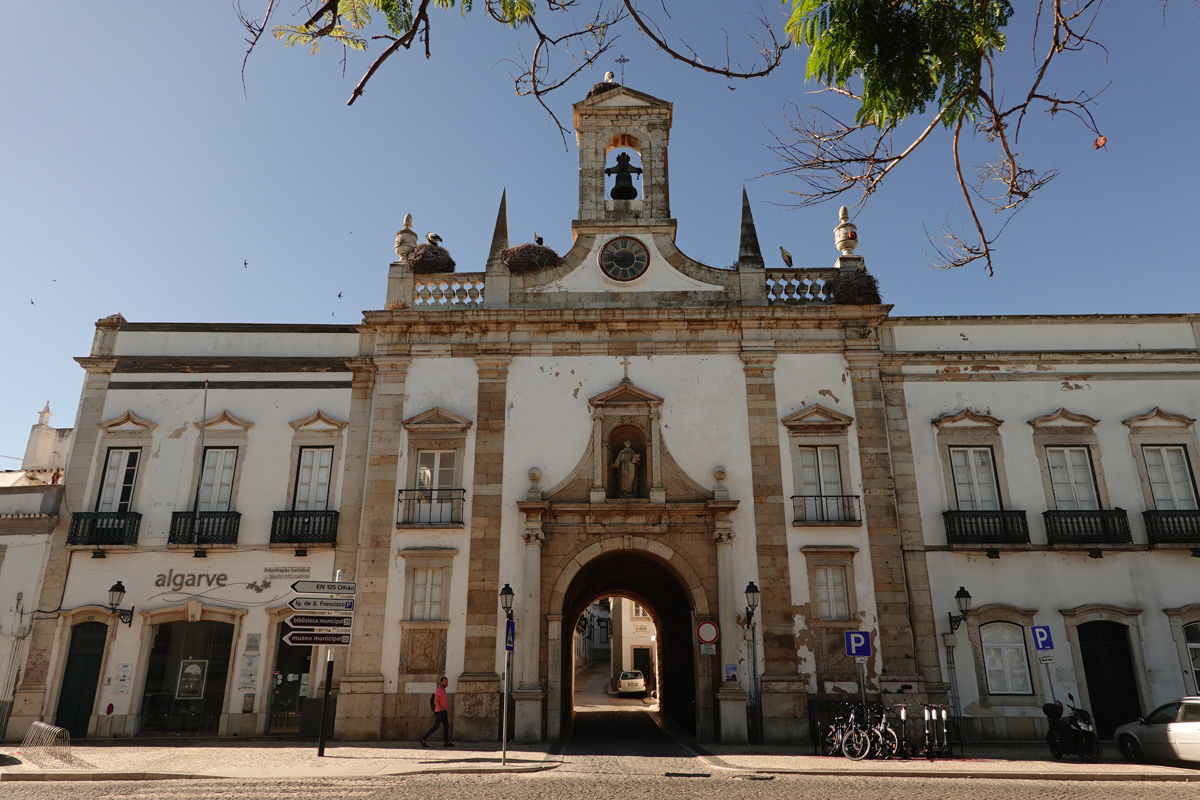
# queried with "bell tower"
point(615, 117)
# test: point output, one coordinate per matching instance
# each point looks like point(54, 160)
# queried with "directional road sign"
point(1041, 637)
point(324, 587)
point(319, 621)
point(320, 604)
point(858, 643)
point(302, 638)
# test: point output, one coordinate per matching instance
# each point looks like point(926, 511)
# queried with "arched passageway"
point(647, 580)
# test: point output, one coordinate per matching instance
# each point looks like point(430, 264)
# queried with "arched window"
point(1004, 658)
point(1192, 634)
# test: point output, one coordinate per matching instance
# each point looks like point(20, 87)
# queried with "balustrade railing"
point(798, 285)
point(454, 290)
point(429, 506)
point(825, 508)
point(304, 527)
point(206, 527)
point(104, 528)
point(1172, 527)
point(1107, 526)
point(986, 527)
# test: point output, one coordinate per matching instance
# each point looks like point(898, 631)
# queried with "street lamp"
point(963, 598)
point(752, 598)
point(506, 602)
point(115, 595)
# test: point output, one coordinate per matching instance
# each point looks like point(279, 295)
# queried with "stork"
point(537, 238)
point(787, 257)
point(432, 238)
point(610, 77)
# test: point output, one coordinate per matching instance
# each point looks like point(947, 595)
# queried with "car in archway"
point(1170, 732)
point(631, 682)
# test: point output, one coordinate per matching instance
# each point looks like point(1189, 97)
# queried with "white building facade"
point(626, 423)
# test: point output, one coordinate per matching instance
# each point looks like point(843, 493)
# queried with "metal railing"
point(1172, 527)
point(104, 528)
point(429, 506)
point(986, 527)
point(304, 527)
point(215, 527)
point(825, 508)
point(1107, 526)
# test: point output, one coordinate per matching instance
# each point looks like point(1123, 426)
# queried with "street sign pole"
point(510, 628)
point(328, 688)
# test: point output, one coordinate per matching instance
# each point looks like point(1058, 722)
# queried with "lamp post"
point(506, 602)
point(963, 598)
point(752, 598)
point(115, 595)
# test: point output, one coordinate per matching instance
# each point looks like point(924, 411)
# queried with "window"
point(437, 498)
point(821, 484)
point(832, 599)
point(427, 594)
point(1163, 715)
point(1191, 712)
point(1071, 479)
point(1170, 478)
point(312, 479)
point(216, 482)
point(1004, 658)
point(1191, 633)
point(974, 471)
point(120, 475)
point(638, 611)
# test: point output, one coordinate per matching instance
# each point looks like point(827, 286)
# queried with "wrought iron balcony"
point(304, 527)
point(430, 506)
point(214, 527)
point(104, 528)
point(986, 527)
point(1109, 526)
point(809, 508)
point(1172, 527)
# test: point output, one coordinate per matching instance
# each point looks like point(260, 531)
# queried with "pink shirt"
point(440, 699)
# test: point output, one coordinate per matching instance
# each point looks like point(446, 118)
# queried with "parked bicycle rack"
point(935, 740)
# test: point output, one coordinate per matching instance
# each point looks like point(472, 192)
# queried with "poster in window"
point(191, 679)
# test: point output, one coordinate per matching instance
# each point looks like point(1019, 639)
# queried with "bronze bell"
point(624, 188)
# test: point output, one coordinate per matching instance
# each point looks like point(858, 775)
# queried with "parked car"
point(1170, 732)
point(632, 681)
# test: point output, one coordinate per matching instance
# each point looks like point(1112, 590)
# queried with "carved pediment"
point(624, 393)
point(1156, 416)
point(817, 419)
point(437, 420)
point(967, 418)
point(1064, 417)
point(319, 421)
point(128, 421)
point(225, 422)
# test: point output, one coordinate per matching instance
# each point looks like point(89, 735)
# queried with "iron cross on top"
point(625, 362)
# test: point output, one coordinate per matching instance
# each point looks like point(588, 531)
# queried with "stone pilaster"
point(528, 697)
point(731, 697)
point(783, 702)
point(477, 697)
point(360, 693)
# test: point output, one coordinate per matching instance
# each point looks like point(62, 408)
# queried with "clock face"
point(624, 259)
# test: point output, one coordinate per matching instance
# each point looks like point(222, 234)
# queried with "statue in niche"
point(623, 188)
point(627, 466)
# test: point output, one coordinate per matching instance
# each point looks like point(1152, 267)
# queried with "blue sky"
point(138, 177)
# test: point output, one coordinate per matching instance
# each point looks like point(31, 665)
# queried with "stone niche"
point(623, 414)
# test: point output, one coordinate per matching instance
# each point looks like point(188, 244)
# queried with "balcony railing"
point(1172, 527)
point(825, 508)
point(1110, 526)
point(214, 527)
point(986, 527)
point(793, 286)
point(104, 528)
point(458, 290)
point(304, 527)
point(430, 506)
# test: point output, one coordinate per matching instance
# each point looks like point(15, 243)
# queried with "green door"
point(80, 678)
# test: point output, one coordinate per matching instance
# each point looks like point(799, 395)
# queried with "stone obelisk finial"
point(499, 235)
point(749, 253)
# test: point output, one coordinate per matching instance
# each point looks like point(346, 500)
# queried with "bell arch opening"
point(643, 578)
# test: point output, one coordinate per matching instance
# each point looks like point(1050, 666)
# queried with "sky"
point(138, 177)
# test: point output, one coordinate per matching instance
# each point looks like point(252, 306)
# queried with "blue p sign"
point(858, 643)
point(1041, 637)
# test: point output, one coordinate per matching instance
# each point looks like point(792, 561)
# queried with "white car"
point(632, 681)
point(1170, 732)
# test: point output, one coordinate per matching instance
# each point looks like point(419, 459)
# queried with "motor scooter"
point(1075, 735)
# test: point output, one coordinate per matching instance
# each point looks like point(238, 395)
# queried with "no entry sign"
point(707, 632)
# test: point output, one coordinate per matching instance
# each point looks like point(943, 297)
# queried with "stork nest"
point(528, 257)
point(601, 88)
point(428, 259)
point(853, 288)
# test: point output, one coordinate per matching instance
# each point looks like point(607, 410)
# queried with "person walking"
point(441, 716)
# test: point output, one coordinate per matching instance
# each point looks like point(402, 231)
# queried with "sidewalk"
point(139, 759)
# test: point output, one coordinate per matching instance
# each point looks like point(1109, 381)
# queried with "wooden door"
point(1111, 680)
point(80, 678)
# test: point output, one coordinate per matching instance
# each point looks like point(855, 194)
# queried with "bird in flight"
point(339, 295)
point(537, 238)
point(787, 257)
point(32, 303)
point(432, 238)
point(246, 264)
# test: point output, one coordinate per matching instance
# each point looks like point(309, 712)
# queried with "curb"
point(179, 776)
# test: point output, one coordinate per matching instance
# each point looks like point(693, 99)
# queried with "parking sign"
point(858, 643)
point(1041, 637)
